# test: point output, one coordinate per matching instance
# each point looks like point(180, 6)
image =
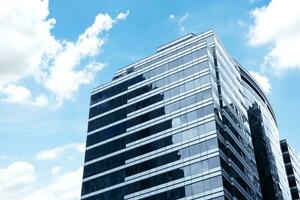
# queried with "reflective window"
point(204, 165)
point(176, 122)
point(191, 116)
point(212, 144)
point(214, 162)
point(210, 126)
point(193, 132)
point(216, 182)
point(196, 168)
point(190, 100)
point(189, 86)
point(201, 129)
point(197, 187)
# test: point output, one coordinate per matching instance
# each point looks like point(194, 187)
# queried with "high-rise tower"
point(292, 167)
point(172, 125)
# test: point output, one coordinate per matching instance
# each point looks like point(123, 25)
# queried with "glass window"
point(204, 80)
point(188, 71)
point(204, 165)
point(190, 100)
point(197, 188)
point(208, 110)
point(195, 55)
point(198, 97)
point(197, 82)
point(180, 61)
point(176, 122)
point(200, 113)
point(180, 75)
point(185, 135)
point(166, 68)
point(146, 75)
point(172, 64)
point(206, 94)
point(202, 52)
point(216, 182)
point(193, 150)
point(203, 65)
point(187, 58)
point(174, 92)
point(187, 170)
point(193, 132)
point(195, 168)
point(206, 185)
point(167, 94)
point(175, 106)
point(184, 153)
point(183, 119)
point(166, 81)
point(159, 70)
point(173, 78)
point(189, 86)
point(212, 143)
point(214, 162)
point(177, 138)
point(182, 103)
point(160, 83)
point(191, 116)
point(188, 190)
point(210, 126)
point(181, 89)
point(152, 73)
point(201, 130)
point(202, 147)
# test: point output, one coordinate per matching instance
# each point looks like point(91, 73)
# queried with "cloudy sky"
point(53, 53)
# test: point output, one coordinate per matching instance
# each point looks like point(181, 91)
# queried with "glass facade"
point(266, 141)
point(292, 168)
point(171, 126)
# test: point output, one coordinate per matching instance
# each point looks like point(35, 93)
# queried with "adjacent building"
point(180, 124)
point(292, 167)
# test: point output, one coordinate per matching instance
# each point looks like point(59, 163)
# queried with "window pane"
point(190, 100)
point(193, 132)
point(176, 122)
point(212, 144)
point(215, 182)
point(206, 185)
point(197, 187)
point(214, 162)
point(210, 126)
point(204, 165)
point(201, 130)
point(191, 116)
point(195, 168)
point(189, 86)
point(177, 138)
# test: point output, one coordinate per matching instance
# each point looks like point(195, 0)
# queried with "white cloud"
point(180, 20)
point(22, 95)
point(123, 16)
point(16, 180)
point(263, 81)
point(30, 52)
point(55, 170)
point(64, 187)
point(277, 24)
point(55, 153)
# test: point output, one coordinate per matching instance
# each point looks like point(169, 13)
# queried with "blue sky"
point(52, 55)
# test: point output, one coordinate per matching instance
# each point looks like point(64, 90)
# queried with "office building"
point(292, 167)
point(173, 125)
